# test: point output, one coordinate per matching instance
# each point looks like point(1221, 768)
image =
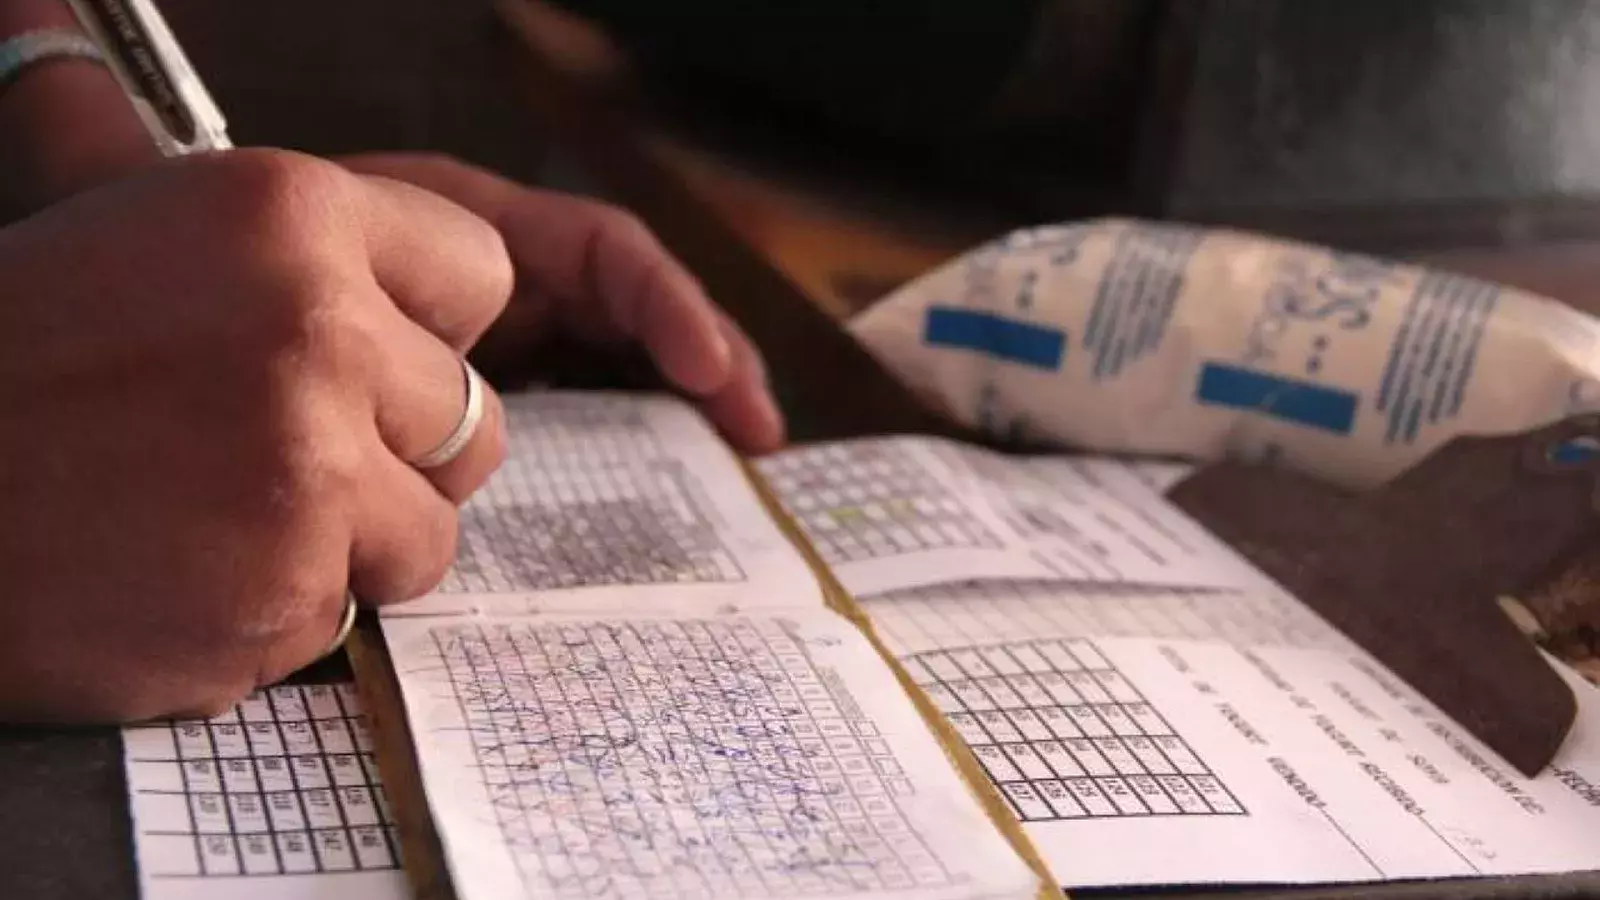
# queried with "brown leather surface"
point(1413, 571)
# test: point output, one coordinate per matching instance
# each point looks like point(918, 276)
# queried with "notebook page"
point(742, 755)
point(1097, 519)
point(891, 512)
point(276, 799)
point(1148, 736)
point(610, 497)
point(899, 512)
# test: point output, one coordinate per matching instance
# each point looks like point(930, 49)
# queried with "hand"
point(597, 274)
point(212, 375)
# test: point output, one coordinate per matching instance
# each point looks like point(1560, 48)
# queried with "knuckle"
point(440, 539)
point(296, 605)
point(416, 564)
point(313, 461)
point(278, 194)
point(293, 650)
point(318, 328)
point(499, 447)
point(496, 434)
point(435, 159)
point(433, 555)
point(300, 470)
point(304, 305)
point(494, 267)
point(502, 270)
point(318, 471)
point(614, 224)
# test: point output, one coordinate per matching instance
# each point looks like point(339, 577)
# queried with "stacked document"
point(637, 682)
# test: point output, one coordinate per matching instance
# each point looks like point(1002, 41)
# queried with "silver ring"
point(347, 623)
point(458, 440)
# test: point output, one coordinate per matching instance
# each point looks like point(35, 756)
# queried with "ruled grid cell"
point(1065, 734)
point(285, 783)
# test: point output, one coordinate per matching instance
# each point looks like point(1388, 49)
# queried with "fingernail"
point(722, 347)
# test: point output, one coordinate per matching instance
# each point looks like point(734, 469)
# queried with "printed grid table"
point(283, 784)
point(586, 497)
point(680, 758)
point(587, 526)
point(869, 500)
point(1065, 735)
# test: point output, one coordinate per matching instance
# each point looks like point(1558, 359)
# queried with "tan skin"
point(214, 370)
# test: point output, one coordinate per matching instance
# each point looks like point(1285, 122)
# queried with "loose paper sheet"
point(898, 512)
point(661, 757)
point(615, 497)
point(277, 799)
point(1150, 737)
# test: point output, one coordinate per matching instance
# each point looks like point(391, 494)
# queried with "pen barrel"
point(147, 61)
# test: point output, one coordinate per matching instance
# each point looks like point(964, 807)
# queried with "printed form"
point(631, 688)
point(608, 498)
point(1154, 709)
point(628, 687)
point(725, 756)
point(1147, 736)
point(897, 512)
point(277, 799)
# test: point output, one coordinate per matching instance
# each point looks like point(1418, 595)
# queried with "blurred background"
point(806, 158)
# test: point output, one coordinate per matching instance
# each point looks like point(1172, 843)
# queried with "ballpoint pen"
point(147, 61)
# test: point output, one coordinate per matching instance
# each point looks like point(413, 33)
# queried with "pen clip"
point(148, 63)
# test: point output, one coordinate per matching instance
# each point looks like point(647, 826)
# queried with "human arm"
point(64, 123)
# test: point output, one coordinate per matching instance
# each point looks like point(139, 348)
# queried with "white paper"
point(277, 799)
point(887, 513)
point(953, 615)
point(1095, 519)
point(1182, 737)
point(661, 757)
point(1159, 338)
point(897, 512)
point(615, 497)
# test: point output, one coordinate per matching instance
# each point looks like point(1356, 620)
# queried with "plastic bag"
point(1159, 339)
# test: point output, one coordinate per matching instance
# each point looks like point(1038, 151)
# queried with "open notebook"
point(635, 684)
point(648, 675)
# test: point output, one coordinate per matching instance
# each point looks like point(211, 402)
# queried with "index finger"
point(610, 278)
point(446, 268)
